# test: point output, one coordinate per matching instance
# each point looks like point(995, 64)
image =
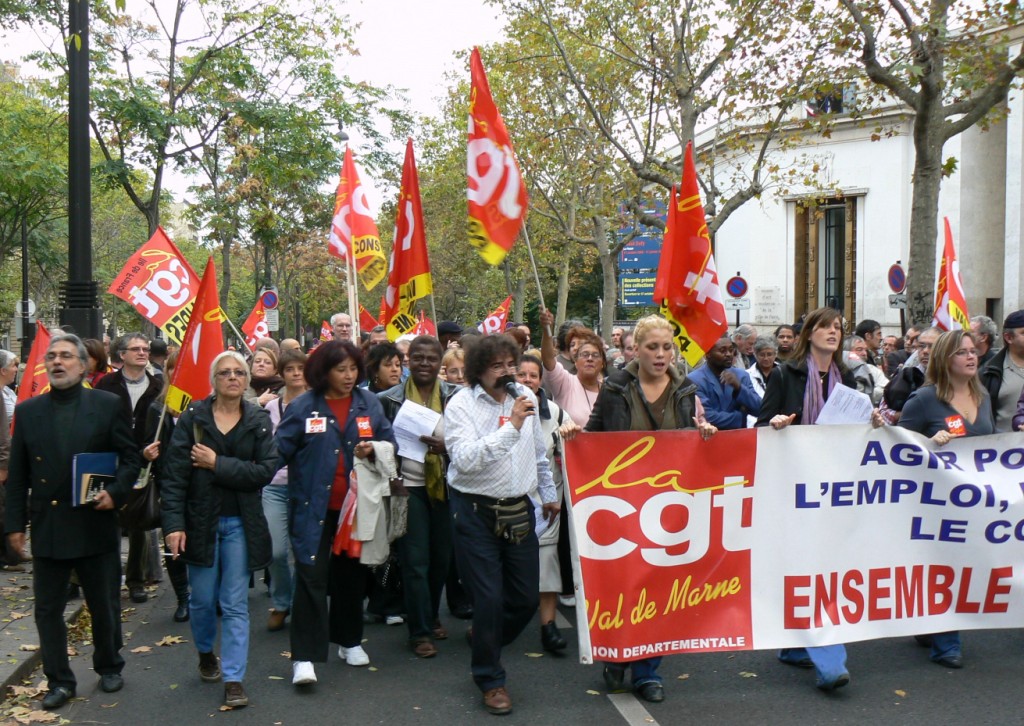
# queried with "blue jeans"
point(829, 660)
point(425, 551)
point(643, 671)
point(282, 572)
point(945, 644)
point(227, 579)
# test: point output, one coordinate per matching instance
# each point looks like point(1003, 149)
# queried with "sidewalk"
point(19, 640)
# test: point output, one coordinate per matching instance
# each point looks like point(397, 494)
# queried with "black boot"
point(551, 638)
point(177, 571)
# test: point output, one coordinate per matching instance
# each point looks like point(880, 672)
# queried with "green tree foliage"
point(948, 61)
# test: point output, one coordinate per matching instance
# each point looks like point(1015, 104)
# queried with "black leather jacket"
point(613, 408)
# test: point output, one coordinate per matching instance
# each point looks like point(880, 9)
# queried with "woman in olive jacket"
point(221, 455)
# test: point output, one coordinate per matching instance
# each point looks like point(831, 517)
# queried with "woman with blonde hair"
point(649, 394)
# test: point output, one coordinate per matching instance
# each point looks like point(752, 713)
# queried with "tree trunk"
point(924, 211)
point(608, 275)
point(563, 292)
point(519, 300)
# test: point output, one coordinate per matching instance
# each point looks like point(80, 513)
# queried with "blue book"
point(91, 473)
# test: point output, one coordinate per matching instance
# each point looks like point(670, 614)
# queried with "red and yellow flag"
point(160, 283)
point(353, 227)
point(686, 287)
point(950, 299)
point(495, 188)
point(366, 321)
point(255, 326)
point(494, 324)
point(204, 341)
point(409, 273)
point(425, 326)
point(326, 331)
point(34, 380)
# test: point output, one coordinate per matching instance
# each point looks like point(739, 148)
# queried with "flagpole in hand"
point(144, 476)
point(536, 276)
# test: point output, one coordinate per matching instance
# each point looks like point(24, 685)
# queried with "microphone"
point(512, 389)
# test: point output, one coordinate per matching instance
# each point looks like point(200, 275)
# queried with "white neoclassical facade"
point(834, 244)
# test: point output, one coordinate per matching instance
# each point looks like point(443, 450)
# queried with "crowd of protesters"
point(263, 478)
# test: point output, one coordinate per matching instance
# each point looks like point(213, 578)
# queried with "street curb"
point(24, 669)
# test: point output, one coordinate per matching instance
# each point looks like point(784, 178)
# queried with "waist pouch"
point(512, 521)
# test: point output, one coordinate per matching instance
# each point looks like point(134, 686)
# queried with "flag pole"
point(433, 310)
point(143, 479)
point(536, 275)
point(353, 292)
point(237, 332)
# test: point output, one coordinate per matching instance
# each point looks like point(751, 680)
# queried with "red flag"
point(34, 380)
point(160, 283)
point(686, 287)
point(495, 188)
point(409, 273)
point(495, 322)
point(425, 326)
point(326, 331)
point(255, 326)
point(366, 320)
point(353, 225)
point(950, 299)
point(203, 342)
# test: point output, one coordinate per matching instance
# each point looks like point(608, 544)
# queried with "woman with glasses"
point(951, 403)
point(576, 394)
point(454, 366)
point(322, 433)
point(221, 455)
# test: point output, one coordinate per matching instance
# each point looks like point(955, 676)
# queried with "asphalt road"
point(892, 682)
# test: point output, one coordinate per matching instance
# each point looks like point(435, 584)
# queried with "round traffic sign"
point(269, 298)
point(897, 278)
point(736, 286)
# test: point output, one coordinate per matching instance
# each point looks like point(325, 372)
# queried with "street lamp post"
point(79, 294)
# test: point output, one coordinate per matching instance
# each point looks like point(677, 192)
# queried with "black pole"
point(28, 332)
point(80, 307)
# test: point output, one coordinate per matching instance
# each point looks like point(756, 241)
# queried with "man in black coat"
point(49, 431)
point(137, 390)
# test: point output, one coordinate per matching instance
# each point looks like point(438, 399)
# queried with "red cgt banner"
point(660, 527)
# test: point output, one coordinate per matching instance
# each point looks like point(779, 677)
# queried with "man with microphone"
point(497, 453)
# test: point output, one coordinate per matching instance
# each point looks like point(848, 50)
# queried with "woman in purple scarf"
point(796, 393)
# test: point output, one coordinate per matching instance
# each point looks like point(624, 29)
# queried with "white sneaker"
point(303, 673)
point(354, 656)
point(394, 620)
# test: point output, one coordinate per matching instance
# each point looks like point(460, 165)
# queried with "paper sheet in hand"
point(413, 421)
point(846, 406)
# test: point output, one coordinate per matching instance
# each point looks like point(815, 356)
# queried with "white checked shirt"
point(495, 461)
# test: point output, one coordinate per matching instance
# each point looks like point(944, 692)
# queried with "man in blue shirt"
point(726, 392)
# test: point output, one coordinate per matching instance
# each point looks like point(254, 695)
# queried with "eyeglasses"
point(232, 373)
point(137, 349)
point(63, 355)
point(501, 367)
point(966, 353)
point(589, 355)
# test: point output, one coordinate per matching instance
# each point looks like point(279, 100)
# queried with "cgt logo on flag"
point(494, 323)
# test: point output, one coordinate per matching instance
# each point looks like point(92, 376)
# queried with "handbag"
point(142, 510)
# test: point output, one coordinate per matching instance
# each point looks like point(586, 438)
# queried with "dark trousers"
point(315, 623)
point(503, 581)
point(100, 577)
point(424, 552)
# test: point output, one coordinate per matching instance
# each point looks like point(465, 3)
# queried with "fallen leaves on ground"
point(748, 674)
point(286, 654)
point(593, 693)
point(30, 691)
point(18, 616)
point(226, 708)
point(534, 655)
point(900, 693)
point(171, 640)
point(28, 647)
point(25, 715)
point(276, 678)
point(109, 705)
point(683, 677)
point(141, 649)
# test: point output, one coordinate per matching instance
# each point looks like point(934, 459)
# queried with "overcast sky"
point(410, 44)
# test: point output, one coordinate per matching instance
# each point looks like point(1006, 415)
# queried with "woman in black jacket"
point(221, 454)
point(796, 393)
point(649, 394)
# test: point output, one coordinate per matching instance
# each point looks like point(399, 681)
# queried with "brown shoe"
point(440, 633)
point(424, 648)
point(234, 695)
point(497, 701)
point(209, 667)
point(276, 620)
